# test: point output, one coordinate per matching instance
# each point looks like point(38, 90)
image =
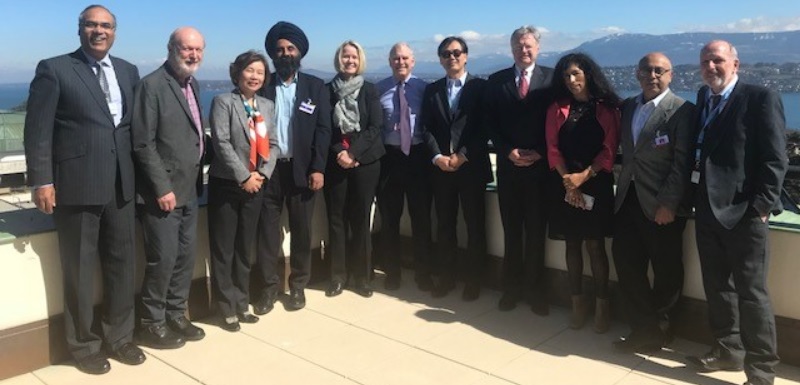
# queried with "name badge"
point(662, 140)
point(308, 107)
point(695, 177)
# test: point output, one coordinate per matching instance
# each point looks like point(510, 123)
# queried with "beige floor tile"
point(153, 371)
point(348, 307)
point(787, 375)
point(465, 310)
point(565, 369)
point(350, 350)
point(636, 379)
point(417, 367)
point(669, 365)
point(284, 329)
point(488, 379)
point(409, 323)
point(276, 367)
point(23, 379)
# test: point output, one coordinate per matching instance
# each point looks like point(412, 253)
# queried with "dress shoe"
point(159, 337)
point(471, 292)
point(362, 288)
point(334, 289)
point(392, 282)
point(128, 354)
point(539, 306)
point(247, 318)
point(296, 301)
point(231, 325)
point(444, 288)
point(182, 326)
point(266, 303)
point(94, 364)
point(508, 302)
point(424, 282)
point(717, 359)
point(640, 342)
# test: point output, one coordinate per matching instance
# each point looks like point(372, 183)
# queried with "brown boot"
point(602, 315)
point(579, 312)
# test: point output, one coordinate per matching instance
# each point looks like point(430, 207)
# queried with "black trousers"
point(734, 265)
point(405, 178)
point(449, 190)
point(349, 194)
point(638, 243)
point(299, 202)
point(232, 219)
point(169, 243)
point(521, 194)
point(86, 235)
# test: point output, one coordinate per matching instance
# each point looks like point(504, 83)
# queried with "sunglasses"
point(456, 53)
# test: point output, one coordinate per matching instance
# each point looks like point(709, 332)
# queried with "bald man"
point(657, 138)
point(168, 144)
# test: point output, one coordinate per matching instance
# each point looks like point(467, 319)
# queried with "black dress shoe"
point(247, 318)
point(424, 282)
point(230, 326)
point(640, 342)
point(362, 288)
point(507, 302)
point(443, 288)
point(94, 364)
point(471, 292)
point(185, 328)
point(159, 337)
point(128, 354)
point(334, 289)
point(392, 282)
point(266, 303)
point(715, 360)
point(296, 301)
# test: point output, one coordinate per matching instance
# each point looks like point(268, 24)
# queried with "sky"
point(34, 30)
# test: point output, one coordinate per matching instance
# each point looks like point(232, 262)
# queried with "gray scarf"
point(345, 112)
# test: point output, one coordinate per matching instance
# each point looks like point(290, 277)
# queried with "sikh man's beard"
point(286, 66)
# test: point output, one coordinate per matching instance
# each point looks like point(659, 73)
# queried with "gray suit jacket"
point(165, 140)
point(661, 170)
point(230, 137)
point(70, 137)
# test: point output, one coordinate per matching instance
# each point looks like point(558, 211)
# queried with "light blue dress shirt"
point(285, 95)
point(415, 89)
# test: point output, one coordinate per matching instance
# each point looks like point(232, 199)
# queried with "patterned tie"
point(194, 109)
point(715, 99)
point(101, 78)
point(523, 84)
point(404, 125)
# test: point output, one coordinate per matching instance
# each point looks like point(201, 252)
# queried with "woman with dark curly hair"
point(582, 129)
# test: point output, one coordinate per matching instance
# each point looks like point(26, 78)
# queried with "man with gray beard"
point(168, 144)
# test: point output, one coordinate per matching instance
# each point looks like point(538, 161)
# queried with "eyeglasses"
point(658, 71)
point(94, 24)
point(456, 53)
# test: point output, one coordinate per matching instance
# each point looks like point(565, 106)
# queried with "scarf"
point(259, 141)
point(345, 111)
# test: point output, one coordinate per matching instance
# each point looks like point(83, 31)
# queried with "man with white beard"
point(168, 145)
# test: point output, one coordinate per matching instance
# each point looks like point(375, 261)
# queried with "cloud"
point(755, 24)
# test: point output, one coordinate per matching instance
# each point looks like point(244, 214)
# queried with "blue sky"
point(33, 30)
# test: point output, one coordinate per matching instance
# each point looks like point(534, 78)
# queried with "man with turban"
point(303, 125)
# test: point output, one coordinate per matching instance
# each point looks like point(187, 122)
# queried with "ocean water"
point(12, 95)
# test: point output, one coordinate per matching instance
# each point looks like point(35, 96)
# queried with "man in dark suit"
point(168, 144)
point(657, 139)
point(739, 170)
point(303, 128)
point(515, 113)
point(78, 153)
point(457, 142)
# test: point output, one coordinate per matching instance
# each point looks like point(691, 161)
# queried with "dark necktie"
point(404, 125)
point(523, 84)
point(715, 99)
point(101, 78)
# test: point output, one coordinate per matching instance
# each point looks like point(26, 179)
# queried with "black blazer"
point(367, 144)
point(166, 142)
point(70, 137)
point(461, 131)
point(513, 122)
point(744, 154)
point(311, 131)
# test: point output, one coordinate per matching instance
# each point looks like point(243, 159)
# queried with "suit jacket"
point(166, 142)
point(311, 131)
point(230, 137)
point(743, 158)
point(514, 122)
point(661, 171)
point(70, 137)
point(459, 131)
point(367, 144)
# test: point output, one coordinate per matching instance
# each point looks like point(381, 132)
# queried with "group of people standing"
point(279, 137)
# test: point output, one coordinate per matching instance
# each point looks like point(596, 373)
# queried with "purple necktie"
point(195, 110)
point(404, 125)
